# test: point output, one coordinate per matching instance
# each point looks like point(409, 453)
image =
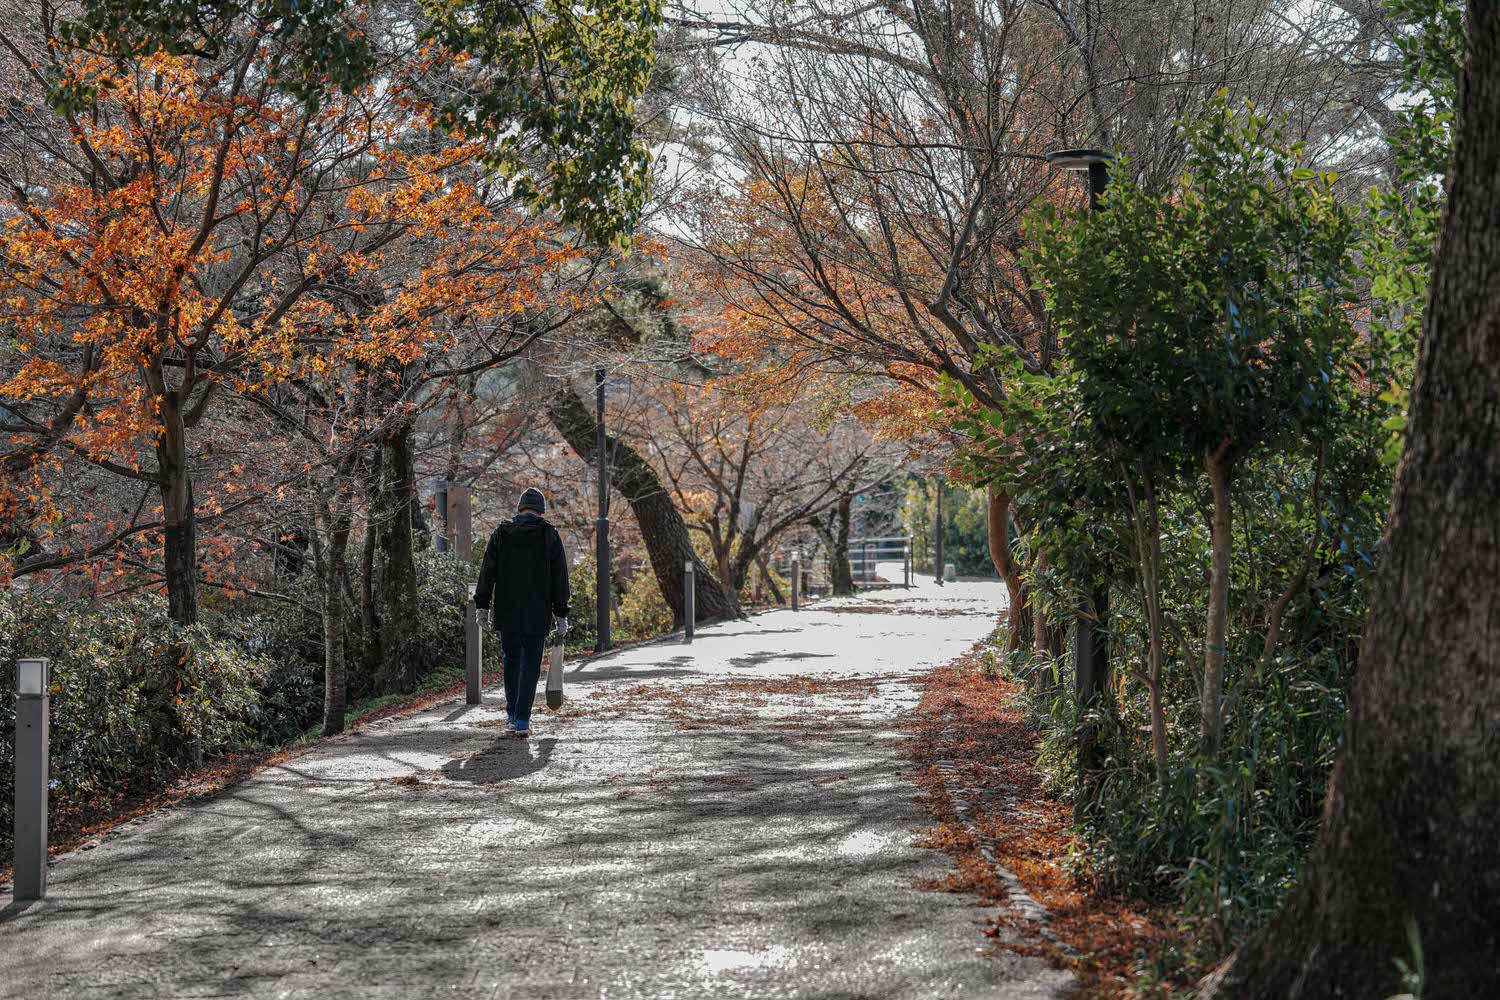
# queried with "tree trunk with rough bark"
point(840, 572)
point(179, 524)
point(335, 675)
point(393, 518)
point(1409, 830)
point(331, 553)
point(663, 530)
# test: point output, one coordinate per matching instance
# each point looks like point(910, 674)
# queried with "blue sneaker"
point(523, 729)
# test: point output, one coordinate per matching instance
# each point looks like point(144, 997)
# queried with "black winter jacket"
point(524, 576)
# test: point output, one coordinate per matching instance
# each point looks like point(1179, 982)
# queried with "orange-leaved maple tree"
point(196, 238)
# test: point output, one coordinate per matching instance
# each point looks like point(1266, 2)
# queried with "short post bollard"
point(796, 578)
point(906, 566)
point(473, 679)
point(689, 600)
point(32, 720)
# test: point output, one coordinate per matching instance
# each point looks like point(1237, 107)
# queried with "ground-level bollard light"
point(689, 600)
point(796, 578)
point(32, 719)
point(472, 645)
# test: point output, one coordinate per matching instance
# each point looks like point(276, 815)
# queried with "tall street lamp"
point(1094, 162)
point(1091, 668)
point(937, 534)
point(601, 526)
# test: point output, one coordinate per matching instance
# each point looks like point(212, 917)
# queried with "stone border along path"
point(727, 819)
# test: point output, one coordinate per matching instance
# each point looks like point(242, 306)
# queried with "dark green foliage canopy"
point(1211, 316)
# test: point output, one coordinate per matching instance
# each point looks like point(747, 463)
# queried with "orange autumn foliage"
point(199, 237)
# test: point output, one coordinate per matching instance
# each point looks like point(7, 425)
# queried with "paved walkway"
point(727, 819)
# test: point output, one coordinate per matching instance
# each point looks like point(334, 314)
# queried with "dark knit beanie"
point(532, 499)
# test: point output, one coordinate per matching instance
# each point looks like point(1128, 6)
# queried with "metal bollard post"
point(473, 679)
point(796, 578)
point(906, 565)
point(32, 721)
point(689, 600)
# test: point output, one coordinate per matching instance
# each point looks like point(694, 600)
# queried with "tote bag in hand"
point(554, 677)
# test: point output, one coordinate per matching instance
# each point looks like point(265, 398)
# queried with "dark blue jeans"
point(523, 667)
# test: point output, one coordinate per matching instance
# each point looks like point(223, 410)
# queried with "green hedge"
point(134, 695)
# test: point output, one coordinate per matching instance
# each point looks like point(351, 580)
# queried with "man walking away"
point(525, 579)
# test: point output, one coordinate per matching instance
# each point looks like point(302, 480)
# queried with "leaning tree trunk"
point(663, 530)
point(769, 578)
point(998, 524)
point(1408, 836)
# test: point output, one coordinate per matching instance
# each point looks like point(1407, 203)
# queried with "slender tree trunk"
point(769, 578)
point(369, 613)
point(179, 524)
point(1039, 629)
point(1217, 465)
point(333, 568)
point(1409, 826)
point(1147, 523)
point(335, 677)
point(663, 530)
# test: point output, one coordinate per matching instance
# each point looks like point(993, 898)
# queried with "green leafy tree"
point(1206, 322)
point(1405, 215)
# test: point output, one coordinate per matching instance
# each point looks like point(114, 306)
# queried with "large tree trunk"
point(835, 534)
point(393, 517)
point(1212, 694)
point(1409, 834)
point(179, 524)
point(662, 527)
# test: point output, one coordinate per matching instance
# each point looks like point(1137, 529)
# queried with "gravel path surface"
point(726, 819)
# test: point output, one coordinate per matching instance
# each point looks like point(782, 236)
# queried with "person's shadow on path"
point(504, 760)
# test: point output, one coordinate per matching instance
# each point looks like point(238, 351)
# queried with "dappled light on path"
point(731, 818)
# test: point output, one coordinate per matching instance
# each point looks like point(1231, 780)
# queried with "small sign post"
point(689, 600)
point(796, 578)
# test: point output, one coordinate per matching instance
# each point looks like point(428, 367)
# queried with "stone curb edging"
point(1018, 901)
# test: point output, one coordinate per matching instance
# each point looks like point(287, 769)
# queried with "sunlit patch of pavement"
point(673, 832)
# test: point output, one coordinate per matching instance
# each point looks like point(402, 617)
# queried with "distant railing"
point(867, 552)
point(865, 555)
